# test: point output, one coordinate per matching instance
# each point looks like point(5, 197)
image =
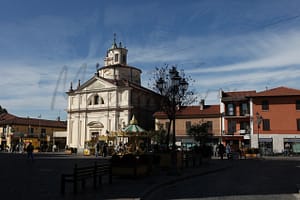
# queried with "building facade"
point(101, 107)
point(22, 130)
point(236, 118)
point(279, 109)
point(188, 116)
point(268, 120)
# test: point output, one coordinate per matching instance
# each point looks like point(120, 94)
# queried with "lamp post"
point(172, 87)
point(259, 119)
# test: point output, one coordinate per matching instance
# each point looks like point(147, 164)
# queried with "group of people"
point(101, 149)
point(222, 150)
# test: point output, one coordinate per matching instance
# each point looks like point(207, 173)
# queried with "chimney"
point(202, 104)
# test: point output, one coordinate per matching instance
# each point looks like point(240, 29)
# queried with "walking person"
point(104, 150)
point(97, 149)
point(228, 151)
point(221, 149)
point(29, 150)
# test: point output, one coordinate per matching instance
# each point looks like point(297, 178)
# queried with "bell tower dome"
point(116, 54)
point(115, 65)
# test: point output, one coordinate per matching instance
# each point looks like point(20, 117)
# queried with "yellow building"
point(188, 116)
point(17, 132)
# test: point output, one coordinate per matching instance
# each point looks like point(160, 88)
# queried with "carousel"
point(137, 137)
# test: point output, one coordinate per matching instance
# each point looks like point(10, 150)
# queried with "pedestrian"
point(97, 149)
point(221, 150)
point(215, 147)
point(228, 151)
point(104, 150)
point(287, 147)
point(30, 151)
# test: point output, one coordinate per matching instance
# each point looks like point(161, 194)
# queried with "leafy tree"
point(200, 133)
point(2, 110)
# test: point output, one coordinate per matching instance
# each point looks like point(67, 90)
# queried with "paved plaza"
point(267, 178)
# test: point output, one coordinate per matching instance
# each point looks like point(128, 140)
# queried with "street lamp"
point(259, 119)
point(173, 87)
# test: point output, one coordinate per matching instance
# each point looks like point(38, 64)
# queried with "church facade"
point(102, 106)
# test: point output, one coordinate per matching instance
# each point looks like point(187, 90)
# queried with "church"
point(102, 106)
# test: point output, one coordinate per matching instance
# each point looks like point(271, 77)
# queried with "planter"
point(131, 165)
point(251, 155)
point(69, 152)
point(166, 160)
point(139, 170)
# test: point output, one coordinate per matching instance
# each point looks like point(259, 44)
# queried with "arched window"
point(101, 100)
point(96, 99)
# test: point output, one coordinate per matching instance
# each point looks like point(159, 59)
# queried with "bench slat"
point(83, 173)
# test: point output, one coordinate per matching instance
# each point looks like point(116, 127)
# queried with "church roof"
point(119, 66)
point(121, 83)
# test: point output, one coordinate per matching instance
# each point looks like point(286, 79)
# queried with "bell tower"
point(115, 65)
point(117, 54)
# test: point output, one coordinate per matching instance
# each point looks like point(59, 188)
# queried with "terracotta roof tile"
point(279, 91)
point(239, 93)
point(12, 119)
point(192, 111)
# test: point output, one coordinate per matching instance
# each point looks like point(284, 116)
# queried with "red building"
point(279, 109)
point(271, 117)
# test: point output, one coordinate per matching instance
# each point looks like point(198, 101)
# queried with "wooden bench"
point(81, 174)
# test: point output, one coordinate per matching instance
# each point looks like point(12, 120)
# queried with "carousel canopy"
point(133, 127)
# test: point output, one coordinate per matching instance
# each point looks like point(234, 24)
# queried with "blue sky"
point(228, 44)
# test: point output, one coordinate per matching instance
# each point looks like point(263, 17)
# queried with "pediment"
point(95, 124)
point(96, 84)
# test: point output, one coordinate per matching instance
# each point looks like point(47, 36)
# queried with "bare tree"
point(173, 87)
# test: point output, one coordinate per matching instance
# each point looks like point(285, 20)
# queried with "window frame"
point(230, 113)
point(265, 105)
point(266, 125)
point(297, 104)
point(116, 57)
point(298, 124)
point(188, 125)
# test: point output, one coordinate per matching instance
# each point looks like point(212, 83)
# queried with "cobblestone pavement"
point(40, 179)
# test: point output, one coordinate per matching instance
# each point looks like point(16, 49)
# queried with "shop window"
point(265, 105)
point(266, 124)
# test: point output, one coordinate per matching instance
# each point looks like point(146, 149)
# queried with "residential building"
point(279, 109)
point(188, 116)
point(271, 117)
point(102, 106)
point(16, 130)
point(236, 112)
